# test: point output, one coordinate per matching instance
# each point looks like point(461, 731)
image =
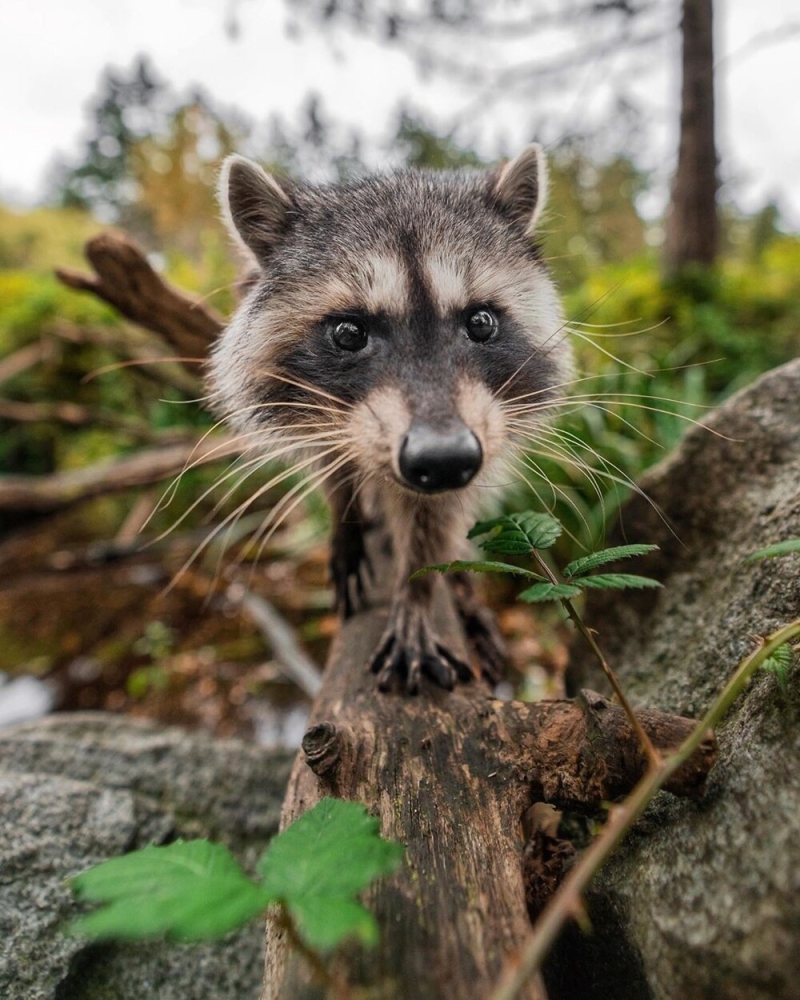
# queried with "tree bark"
point(692, 223)
point(451, 775)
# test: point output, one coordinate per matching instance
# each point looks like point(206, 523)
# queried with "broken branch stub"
point(126, 280)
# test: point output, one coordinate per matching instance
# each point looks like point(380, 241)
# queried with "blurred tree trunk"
point(692, 226)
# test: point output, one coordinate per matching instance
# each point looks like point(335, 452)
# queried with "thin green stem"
point(567, 901)
point(653, 756)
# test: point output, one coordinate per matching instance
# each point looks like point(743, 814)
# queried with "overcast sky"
point(52, 53)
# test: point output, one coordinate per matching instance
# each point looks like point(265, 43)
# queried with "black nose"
point(443, 459)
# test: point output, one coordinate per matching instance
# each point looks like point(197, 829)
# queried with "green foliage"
point(333, 853)
point(474, 566)
point(196, 890)
point(539, 593)
point(188, 891)
point(652, 358)
point(614, 554)
point(517, 534)
point(777, 550)
point(779, 664)
point(527, 534)
point(615, 581)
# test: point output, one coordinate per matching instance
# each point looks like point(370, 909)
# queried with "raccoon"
point(393, 327)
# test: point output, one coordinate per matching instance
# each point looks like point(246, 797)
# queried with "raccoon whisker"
point(537, 350)
point(254, 464)
point(280, 476)
point(578, 463)
point(534, 467)
point(604, 326)
point(628, 333)
point(234, 517)
point(598, 406)
point(591, 400)
point(526, 461)
point(229, 445)
point(223, 450)
point(280, 512)
point(621, 478)
point(608, 354)
point(283, 404)
point(557, 385)
point(313, 389)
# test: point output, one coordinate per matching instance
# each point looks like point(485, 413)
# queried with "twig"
point(23, 359)
point(297, 665)
point(653, 756)
point(567, 900)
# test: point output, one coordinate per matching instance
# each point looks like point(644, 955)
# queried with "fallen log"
point(451, 776)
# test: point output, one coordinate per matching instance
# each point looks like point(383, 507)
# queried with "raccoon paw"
point(350, 568)
point(480, 628)
point(410, 648)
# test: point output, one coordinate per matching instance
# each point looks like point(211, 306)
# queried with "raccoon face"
point(401, 315)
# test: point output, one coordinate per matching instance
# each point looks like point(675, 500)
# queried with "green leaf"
point(475, 566)
point(517, 534)
point(778, 549)
point(320, 862)
point(594, 559)
point(548, 592)
point(187, 891)
point(615, 581)
point(779, 664)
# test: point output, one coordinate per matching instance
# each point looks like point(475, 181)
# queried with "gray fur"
point(409, 255)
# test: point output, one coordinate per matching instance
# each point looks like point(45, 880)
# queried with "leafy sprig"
point(530, 532)
point(195, 890)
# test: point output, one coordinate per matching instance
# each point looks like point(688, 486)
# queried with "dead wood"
point(451, 776)
point(45, 494)
point(124, 278)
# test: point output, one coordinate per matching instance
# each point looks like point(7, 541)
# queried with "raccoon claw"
point(410, 650)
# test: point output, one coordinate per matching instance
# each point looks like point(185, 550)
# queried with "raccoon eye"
point(481, 325)
point(349, 334)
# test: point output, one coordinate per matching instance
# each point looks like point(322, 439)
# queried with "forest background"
point(129, 598)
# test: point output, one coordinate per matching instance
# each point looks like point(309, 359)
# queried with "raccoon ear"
point(521, 186)
point(254, 206)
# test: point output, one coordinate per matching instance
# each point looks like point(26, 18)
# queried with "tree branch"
point(45, 494)
point(124, 278)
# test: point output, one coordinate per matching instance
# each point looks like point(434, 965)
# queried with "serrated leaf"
point(595, 559)
point(540, 592)
point(517, 534)
point(320, 862)
point(187, 891)
point(475, 566)
point(778, 549)
point(615, 581)
point(779, 664)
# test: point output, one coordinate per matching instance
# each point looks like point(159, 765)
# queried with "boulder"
point(82, 788)
point(704, 899)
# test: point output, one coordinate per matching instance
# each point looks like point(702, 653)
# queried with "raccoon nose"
point(432, 460)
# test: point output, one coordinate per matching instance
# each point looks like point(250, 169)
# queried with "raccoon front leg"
point(349, 562)
point(410, 647)
point(480, 627)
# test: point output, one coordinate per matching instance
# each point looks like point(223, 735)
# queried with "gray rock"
point(707, 896)
point(79, 789)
